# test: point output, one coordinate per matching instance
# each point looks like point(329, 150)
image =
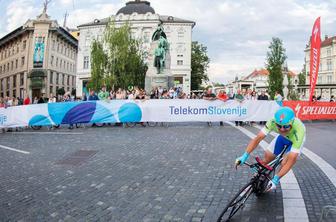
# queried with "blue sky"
point(237, 33)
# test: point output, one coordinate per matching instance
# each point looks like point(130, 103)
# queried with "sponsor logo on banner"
point(313, 110)
point(211, 110)
point(3, 119)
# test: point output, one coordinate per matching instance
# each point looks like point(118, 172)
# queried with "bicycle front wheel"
point(237, 202)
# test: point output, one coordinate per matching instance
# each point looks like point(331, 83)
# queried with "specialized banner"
point(113, 111)
point(315, 47)
point(312, 110)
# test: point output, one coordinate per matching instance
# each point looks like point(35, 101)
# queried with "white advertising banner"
point(136, 111)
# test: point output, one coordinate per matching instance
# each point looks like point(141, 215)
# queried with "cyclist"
point(292, 134)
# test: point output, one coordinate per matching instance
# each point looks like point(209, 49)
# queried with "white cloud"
point(237, 33)
point(18, 12)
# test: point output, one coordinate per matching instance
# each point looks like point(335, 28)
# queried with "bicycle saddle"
point(259, 161)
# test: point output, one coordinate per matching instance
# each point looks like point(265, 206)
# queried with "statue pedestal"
point(153, 78)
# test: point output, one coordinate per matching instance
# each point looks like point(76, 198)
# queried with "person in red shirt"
point(222, 96)
point(26, 101)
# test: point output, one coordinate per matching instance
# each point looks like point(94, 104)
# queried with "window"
point(320, 68)
point(329, 65)
point(86, 62)
point(73, 81)
point(17, 49)
point(12, 65)
point(329, 52)
point(52, 60)
point(24, 44)
point(58, 47)
point(51, 89)
point(53, 44)
point(7, 67)
point(0, 69)
point(14, 81)
point(329, 79)
point(8, 83)
point(319, 80)
point(63, 77)
point(57, 78)
point(180, 56)
point(56, 62)
point(68, 80)
point(21, 79)
point(180, 62)
point(51, 78)
point(16, 63)
point(22, 61)
point(14, 93)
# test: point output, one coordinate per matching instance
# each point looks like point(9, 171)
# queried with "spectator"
point(26, 101)
point(222, 96)
point(52, 99)
point(84, 97)
point(262, 96)
point(41, 99)
point(277, 96)
point(239, 98)
point(209, 95)
point(103, 94)
point(93, 96)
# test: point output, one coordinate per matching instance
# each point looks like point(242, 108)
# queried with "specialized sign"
point(178, 110)
point(312, 110)
point(315, 48)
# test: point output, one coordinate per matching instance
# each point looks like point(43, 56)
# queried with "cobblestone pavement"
point(179, 173)
point(316, 188)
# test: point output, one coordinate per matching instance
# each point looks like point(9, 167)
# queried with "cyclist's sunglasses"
point(285, 127)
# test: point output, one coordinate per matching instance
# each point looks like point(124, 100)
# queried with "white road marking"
point(12, 149)
point(291, 192)
point(49, 133)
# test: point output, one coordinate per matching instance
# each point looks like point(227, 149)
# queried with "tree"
point(275, 60)
point(117, 61)
point(98, 65)
point(199, 65)
point(302, 78)
point(60, 91)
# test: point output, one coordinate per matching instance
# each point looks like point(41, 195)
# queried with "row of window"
point(321, 80)
point(6, 83)
point(21, 93)
point(13, 65)
point(63, 48)
point(329, 66)
point(13, 49)
point(62, 64)
point(60, 79)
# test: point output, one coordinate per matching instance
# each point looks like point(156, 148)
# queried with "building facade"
point(143, 22)
point(326, 80)
point(37, 58)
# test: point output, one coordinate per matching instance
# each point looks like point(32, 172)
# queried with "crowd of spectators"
point(155, 93)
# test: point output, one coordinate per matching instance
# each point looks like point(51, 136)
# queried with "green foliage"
point(60, 91)
point(218, 84)
point(302, 78)
point(98, 63)
point(275, 59)
point(119, 63)
point(199, 65)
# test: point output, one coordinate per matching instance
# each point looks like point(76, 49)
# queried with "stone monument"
point(158, 61)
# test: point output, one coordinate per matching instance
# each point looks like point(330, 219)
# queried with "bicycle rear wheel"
point(130, 124)
point(237, 202)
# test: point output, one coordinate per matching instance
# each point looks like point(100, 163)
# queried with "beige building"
point(326, 82)
point(37, 58)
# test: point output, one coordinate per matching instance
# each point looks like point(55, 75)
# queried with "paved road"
point(321, 139)
point(180, 173)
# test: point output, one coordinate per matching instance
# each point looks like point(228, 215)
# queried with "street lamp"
point(284, 69)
